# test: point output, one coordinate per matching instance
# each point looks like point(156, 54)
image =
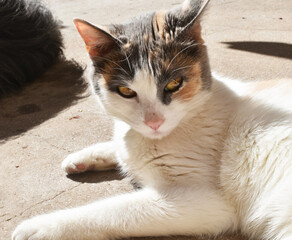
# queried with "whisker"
point(177, 69)
point(123, 71)
point(127, 58)
point(194, 44)
point(120, 67)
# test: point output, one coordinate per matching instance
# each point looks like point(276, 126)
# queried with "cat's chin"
point(155, 134)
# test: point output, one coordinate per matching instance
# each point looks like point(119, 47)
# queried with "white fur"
point(226, 165)
point(220, 162)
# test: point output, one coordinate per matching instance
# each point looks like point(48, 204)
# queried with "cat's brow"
point(122, 70)
point(120, 67)
point(194, 44)
point(113, 77)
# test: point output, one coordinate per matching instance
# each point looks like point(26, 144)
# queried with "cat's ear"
point(185, 19)
point(193, 11)
point(97, 40)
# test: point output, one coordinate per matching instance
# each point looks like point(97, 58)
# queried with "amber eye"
point(174, 85)
point(126, 92)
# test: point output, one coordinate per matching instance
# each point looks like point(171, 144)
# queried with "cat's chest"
point(173, 159)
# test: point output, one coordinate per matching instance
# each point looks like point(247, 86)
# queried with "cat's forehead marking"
point(144, 84)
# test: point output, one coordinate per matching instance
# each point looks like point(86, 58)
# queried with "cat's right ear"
point(98, 42)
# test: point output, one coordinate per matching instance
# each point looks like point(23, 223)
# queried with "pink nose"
point(154, 124)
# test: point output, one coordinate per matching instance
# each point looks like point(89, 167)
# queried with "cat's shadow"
point(96, 177)
point(203, 237)
point(57, 89)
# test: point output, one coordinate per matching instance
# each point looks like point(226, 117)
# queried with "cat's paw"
point(80, 162)
point(60, 225)
point(38, 228)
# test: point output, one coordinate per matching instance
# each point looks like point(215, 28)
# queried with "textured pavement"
point(57, 115)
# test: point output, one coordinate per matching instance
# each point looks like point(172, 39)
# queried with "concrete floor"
point(57, 115)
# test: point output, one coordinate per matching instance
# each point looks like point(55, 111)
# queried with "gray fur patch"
point(30, 41)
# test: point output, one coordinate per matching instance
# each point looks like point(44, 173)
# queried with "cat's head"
point(152, 71)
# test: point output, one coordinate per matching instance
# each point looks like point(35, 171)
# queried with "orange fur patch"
point(192, 87)
point(262, 85)
point(196, 32)
point(159, 19)
point(108, 69)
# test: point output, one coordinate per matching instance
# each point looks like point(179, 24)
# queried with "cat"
point(30, 42)
point(211, 155)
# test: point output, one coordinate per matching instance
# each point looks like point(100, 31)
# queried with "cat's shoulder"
point(273, 93)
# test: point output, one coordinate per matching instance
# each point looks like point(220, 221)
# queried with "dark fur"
point(146, 46)
point(30, 41)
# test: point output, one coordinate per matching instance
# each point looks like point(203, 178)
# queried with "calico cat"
point(211, 156)
point(30, 42)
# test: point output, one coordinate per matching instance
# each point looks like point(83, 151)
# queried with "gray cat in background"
point(30, 42)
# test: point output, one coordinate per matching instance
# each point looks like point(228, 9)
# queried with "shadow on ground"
point(220, 237)
point(276, 49)
point(58, 88)
point(96, 177)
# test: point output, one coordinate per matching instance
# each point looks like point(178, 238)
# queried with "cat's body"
point(211, 158)
point(30, 42)
point(236, 146)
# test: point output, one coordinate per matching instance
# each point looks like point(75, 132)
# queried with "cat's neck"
point(212, 109)
point(217, 109)
point(210, 118)
point(197, 142)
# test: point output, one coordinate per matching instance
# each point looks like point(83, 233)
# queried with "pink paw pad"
point(91, 167)
point(80, 166)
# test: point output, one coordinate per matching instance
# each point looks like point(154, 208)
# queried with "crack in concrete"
point(46, 200)
point(8, 219)
point(3, 215)
point(41, 202)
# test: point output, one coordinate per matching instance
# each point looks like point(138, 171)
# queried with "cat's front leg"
point(42, 227)
point(106, 219)
point(97, 157)
point(142, 213)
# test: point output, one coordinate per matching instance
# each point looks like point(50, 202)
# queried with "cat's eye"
point(126, 92)
point(174, 85)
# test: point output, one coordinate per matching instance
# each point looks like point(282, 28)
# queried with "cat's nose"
point(154, 124)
